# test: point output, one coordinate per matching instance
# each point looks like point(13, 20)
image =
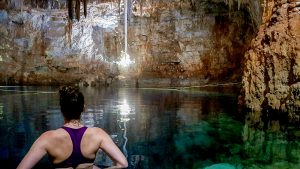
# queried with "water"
point(155, 128)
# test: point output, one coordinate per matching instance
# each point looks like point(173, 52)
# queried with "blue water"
point(155, 128)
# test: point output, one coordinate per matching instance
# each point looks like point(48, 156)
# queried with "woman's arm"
point(112, 150)
point(36, 152)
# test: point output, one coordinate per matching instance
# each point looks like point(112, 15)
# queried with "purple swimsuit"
point(76, 157)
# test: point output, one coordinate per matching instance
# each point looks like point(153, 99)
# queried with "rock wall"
point(40, 46)
point(271, 80)
point(188, 44)
point(170, 43)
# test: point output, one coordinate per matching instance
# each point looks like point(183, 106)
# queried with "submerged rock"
point(221, 166)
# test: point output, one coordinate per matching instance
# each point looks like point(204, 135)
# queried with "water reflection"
point(124, 112)
point(92, 116)
point(1, 111)
point(23, 119)
point(271, 142)
point(155, 128)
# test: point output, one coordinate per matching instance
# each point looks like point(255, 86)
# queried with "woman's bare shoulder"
point(52, 138)
point(97, 133)
point(48, 134)
point(52, 134)
point(94, 135)
point(45, 138)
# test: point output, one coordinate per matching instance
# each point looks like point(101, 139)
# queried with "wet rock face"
point(190, 43)
point(271, 78)
point(39, 46)
point(172, 43)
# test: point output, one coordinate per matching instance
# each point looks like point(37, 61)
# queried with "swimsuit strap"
point(76, 157)
point(76, 137)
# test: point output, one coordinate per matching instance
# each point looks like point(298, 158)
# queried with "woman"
point(73, 145)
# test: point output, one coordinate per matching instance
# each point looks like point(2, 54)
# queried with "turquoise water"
point(155, 128)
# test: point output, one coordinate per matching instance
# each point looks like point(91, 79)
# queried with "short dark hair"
point(71, 102)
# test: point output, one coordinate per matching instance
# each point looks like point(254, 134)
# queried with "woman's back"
point(73, 144)
point(60, 145)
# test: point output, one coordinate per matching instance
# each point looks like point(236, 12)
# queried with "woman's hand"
point(112, 150)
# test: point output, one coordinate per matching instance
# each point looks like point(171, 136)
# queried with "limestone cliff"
point(271, 80)
point(171, 43)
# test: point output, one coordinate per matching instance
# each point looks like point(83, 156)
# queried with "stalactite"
point(69, 31)
point(193, 5)
point(141, 7)
point(129, 9)
point(45, 4)
point(33, 3)
point(77, 9)
point(85, 7)
point(119, 5)
point(21, 7)
point(70, 9)
point(231, 2)
point(180, 4)
point(239, 4)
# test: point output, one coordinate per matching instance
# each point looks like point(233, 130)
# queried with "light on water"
point(161, 129)
point(124, 108)
point(124, 111)
point(1, 111)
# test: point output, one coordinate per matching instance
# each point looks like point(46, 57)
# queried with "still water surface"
point(155, 128)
